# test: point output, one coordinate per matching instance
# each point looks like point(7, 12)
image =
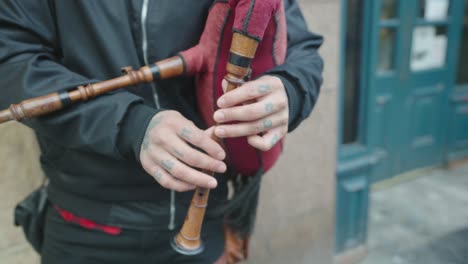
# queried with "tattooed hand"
point(167, 155)
point(267, 114)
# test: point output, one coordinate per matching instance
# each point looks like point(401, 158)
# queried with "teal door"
point(404, 98)
point(409, 79)
point(458, 113)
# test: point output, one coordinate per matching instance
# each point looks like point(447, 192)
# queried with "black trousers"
point(70, 243)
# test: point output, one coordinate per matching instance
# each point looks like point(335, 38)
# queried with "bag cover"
point(30, 214)
point(263, 20)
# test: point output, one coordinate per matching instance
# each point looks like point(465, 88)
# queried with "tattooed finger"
point(197, 137)
point(193, 157)
point(247, 92)
point(252, 128)
point(269, 140)
point(179, 170)
point(169, 182)
point(250, 112)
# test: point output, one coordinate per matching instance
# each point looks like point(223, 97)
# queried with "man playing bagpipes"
point(122, 164)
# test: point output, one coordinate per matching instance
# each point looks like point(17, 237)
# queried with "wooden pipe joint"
point(126, 69)
point(136, 77)
point(197, 238)
point(17, 112)
point(200, 205)
point(237, 70)
point(234, 80)
point(87, 92)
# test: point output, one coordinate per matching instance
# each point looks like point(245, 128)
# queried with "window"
point(386, 49)
point(352, 70)
point(462, 76)
point(389, 9)
point(429, 47)
point(387, 36)
point(434, 10)
point(430, 39)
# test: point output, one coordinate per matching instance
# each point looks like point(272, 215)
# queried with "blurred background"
point(378, 174)
point(402, 182)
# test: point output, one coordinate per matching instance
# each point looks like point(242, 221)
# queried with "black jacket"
point(91, 150)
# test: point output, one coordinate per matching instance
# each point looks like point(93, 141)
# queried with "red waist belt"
point(86, 223)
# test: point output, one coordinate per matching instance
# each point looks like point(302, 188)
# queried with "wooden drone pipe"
point(47, 104)
point(188, 240)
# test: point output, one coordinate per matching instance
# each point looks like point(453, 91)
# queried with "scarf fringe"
point(240, 212)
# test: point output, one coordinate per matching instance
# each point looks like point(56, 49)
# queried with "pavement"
point(421, 221)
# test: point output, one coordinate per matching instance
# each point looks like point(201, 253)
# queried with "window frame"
point(463, 87)
point(357, 148)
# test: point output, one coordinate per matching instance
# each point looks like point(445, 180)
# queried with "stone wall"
point(296, 215)
point(20, 173)
point(297, 207)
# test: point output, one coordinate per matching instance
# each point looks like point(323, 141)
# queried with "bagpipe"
point(242, 39)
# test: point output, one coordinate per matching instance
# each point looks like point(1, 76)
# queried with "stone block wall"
point(20, 173)
point(296, 217)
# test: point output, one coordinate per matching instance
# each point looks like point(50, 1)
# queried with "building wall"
point(296, 214)
point(297, 208)
point(20, 173)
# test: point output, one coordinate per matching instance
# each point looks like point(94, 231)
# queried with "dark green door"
point(408, 84)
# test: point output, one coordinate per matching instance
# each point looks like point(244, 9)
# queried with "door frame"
point(390, 147)
point(356, 161)
point(458, 96)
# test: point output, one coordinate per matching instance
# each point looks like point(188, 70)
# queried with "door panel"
point(385, 65)
point(407, 84)
point(424, 131)
point(425, 89)
point(458, 136)
point(382, 113)
point(352, 215)
point(460, 127)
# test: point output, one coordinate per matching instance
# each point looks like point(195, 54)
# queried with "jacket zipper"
point(144, 45)
point(172, 210)
point(144, 16)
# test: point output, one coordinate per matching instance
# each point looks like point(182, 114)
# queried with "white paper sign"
point(439, 51)
point(421, 50)
point(429, 50)
point(436, 9)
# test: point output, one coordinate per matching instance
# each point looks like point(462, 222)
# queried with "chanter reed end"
point(188, 241)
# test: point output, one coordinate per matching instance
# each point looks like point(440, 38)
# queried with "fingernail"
point(220, 132)
point(221, 102)
point(218, 116)
point(221, 155)
point(222, 168)
point(212, 184)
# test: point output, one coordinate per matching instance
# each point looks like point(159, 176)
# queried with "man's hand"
point(261, 106)
point(167, 155)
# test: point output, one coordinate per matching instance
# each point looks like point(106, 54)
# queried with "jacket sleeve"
point(111, 125)
point(302, 71)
